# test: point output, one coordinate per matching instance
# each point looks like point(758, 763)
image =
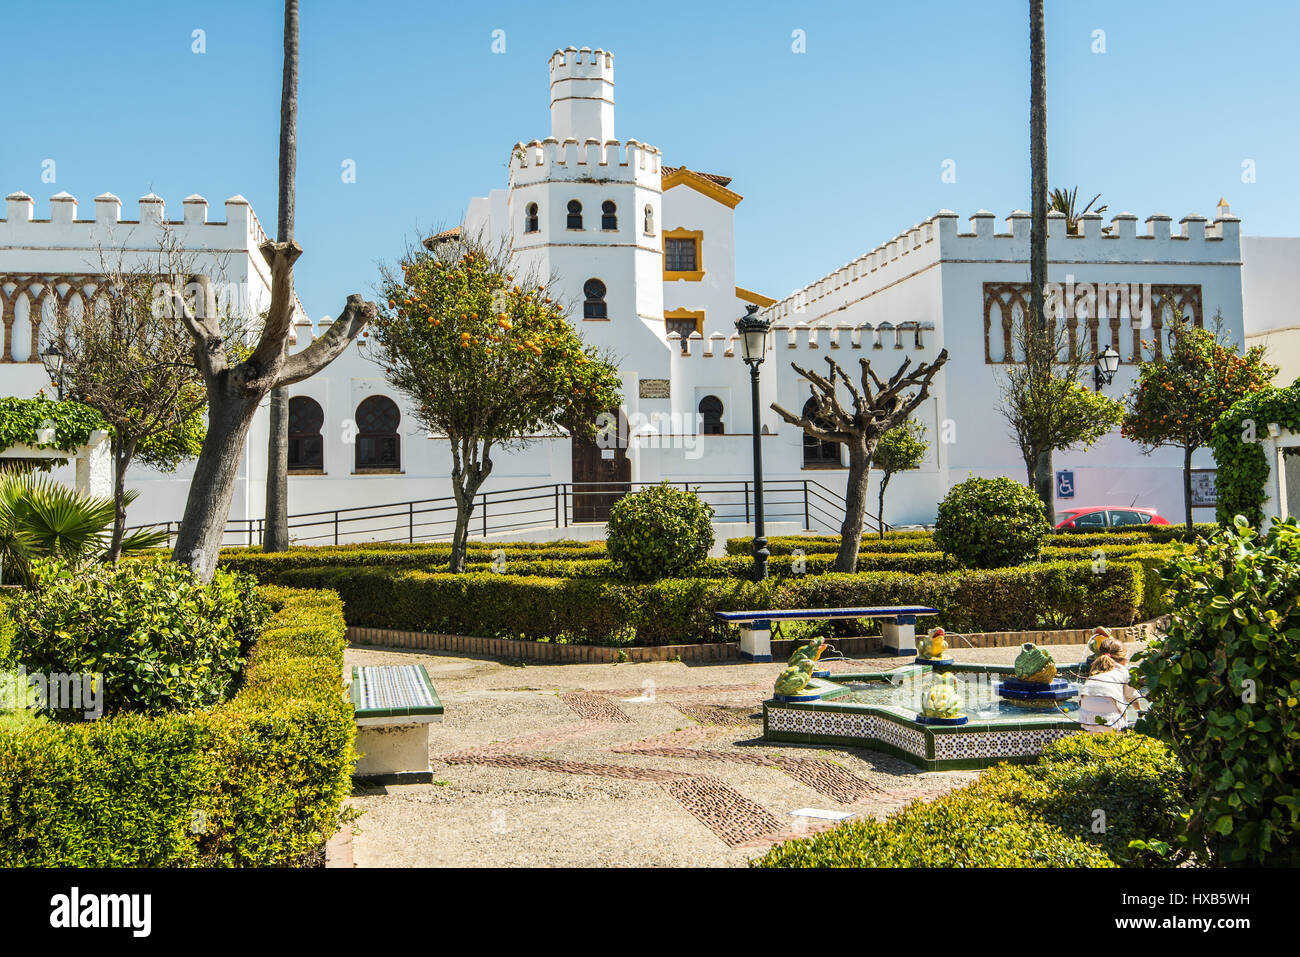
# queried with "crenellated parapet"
point(550, 159)
point(21, 229)
point(823, 337)
point(1193, 240)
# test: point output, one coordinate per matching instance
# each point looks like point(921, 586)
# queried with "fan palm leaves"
point(40, 518)
point(1063, 201)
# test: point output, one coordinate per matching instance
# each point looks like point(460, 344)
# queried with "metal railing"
point(558, 505)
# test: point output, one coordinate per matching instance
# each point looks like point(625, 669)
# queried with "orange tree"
point(1178, 397)
point(485, 360)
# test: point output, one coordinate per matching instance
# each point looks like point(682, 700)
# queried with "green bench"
point(394, 706)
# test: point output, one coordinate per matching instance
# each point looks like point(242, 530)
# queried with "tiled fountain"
point(902, 712)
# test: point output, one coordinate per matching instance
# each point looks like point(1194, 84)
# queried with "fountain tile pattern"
point(995, 744)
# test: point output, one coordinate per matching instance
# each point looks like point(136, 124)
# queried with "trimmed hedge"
point(420, 555)
point(1020, 815)
point(255, 781)
point(670, 611)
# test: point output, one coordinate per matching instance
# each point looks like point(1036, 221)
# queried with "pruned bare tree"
point(132, 363)
point(235, 388)
point(877, 407)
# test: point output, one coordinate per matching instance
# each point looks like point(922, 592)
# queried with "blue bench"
point(898, 622)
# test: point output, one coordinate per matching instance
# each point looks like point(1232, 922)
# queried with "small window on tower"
point(608, 215)
point(530, 218)
point(681, 255)
point(649, 220)
point(575, 214)
point(593, 305)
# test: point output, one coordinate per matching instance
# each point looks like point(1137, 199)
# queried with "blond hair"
point(1110, 654)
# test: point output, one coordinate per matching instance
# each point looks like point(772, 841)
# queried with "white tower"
point(587, 209)
point(582, 95)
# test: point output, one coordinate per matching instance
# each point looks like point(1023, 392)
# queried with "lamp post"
point(753, 341)
point(1103, 373)
point(52, 359)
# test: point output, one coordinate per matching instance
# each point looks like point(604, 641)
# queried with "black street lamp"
point(1103, 373)
point(52, 359)
point(753, 341)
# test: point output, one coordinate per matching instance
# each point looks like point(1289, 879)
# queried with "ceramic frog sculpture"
point(932, 645)
point(812, 651)
point(942, 699)
point(1099, 634)
point(1035, 664)
point(795, 678)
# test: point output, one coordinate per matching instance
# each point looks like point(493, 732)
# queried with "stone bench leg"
point(756, 641)
point(900, 634)
point(394, 753)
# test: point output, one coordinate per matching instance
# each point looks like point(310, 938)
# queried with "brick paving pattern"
point(718, 715)
point(727, 813)
point(594, 707)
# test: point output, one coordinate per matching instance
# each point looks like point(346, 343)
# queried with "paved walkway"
point(627, 765)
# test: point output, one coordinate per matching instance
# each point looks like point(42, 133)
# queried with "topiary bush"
point(1239, 454)
point(1224, 687)
point(162, 639)
point(991, 523)
point(659, 532)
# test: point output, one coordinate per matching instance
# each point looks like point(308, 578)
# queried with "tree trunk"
point(1187, 490)
point(213, 485)
point(880, 513)
point(1038, 216)
point(855, 508)
point(121, 455)
point(470, 468)
point(276, 536)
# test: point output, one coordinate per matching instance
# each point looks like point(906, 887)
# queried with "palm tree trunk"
point(276, 536)
point(1038, 215)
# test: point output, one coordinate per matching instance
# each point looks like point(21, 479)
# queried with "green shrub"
point(1224, 685)
point(659, 532)
point(162, 640)
point(991, 523)
point(426, 555)
point(957, 830)
point(256, 781)
point(1133, 780)
point(1239, 452)
point(675, 610)
point(1036, 815)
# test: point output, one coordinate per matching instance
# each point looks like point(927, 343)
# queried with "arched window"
point(530, 218)
point(575, 214)
point(711, 415)
point(816, 453)
point(649, 220)
point(378, 444)
point(593, 305)
point(608, 215)
point(306, 450)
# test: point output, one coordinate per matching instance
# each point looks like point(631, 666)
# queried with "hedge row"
point(257, 780)
point(1136, 535)
point(420, 555)
point(670, 611)
point(1040, 815)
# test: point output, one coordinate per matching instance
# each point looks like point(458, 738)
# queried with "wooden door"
point(601, 476)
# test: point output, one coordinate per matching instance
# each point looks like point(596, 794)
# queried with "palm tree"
point(1038, 216)
point(40, 518)
point(1062, 201)
point(276, 536)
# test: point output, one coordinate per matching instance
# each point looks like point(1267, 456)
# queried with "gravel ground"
point(532, 767)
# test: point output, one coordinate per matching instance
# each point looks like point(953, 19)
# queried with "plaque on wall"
point(1204, 492)
point(654, 389)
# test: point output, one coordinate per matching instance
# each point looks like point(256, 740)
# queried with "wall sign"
point(654, 389)
point(1065, 484)
point(1205, 494)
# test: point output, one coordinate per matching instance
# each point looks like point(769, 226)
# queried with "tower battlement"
point(582, 94)
point(552, 159)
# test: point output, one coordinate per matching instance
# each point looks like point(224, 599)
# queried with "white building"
point(644, 252)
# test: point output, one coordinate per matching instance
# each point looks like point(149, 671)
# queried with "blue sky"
point(835, 149)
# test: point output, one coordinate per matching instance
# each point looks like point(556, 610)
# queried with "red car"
point(1104, 516)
